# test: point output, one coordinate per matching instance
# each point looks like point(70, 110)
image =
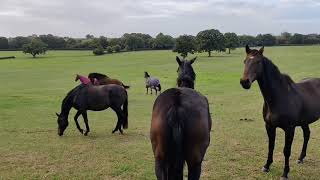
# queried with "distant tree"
point(284, 38)
point(163, 42)
point(116, 41)
point(98, 51)
point(297, 39)
point(89, 36)
point(210, 40)
point(116, 48)
point(185, 44)
point(71, 43)
point(109, 49)
point(18, 42)
point(231, 41)
point(53, 42)
point(247, 40)
point(4, 43)
point(35, 47)
point(266, 40)
point(103, 41)
point(312, 39)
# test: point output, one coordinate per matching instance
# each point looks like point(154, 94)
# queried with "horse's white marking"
point(251, 57)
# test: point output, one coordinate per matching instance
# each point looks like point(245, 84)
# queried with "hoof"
point(284, 178)
point(81, 131)
point(113, 131)
point(86, 134)
point(300, 161)
point(265, 170)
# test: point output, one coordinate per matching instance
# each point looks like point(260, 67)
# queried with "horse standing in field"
point(105, 80)
point(95, 98)
point(180, 127)
point(152, 83)
point(286, 104)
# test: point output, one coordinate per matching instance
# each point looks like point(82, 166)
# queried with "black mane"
point(97, 76)
point(187, 76)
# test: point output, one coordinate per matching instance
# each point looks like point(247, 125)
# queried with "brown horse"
point(104, 80)
point(286, 104)
point(180, 127)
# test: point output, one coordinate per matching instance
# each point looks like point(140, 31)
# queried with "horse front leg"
point(271, 131)
point(306, 136)
point(85, 118)
point(289, 133)
point(76, 121)
point(147, 90)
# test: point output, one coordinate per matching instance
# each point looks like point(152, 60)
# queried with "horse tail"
point(175, 137)
point(126, 87)
point(159, 86)
point(125, 111)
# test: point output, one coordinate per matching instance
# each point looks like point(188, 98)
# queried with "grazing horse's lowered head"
point(186, 75)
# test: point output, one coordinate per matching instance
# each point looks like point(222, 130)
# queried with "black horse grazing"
point(286, 104)
point(95, 98)
point(180, 127)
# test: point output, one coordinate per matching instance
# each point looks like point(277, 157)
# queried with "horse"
point(85, 80)
point(94, 98)
point(152, 83)
point(180, 127)
point(286, 104)
point(104, 80)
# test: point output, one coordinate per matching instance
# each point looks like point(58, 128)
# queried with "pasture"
point(31, 92)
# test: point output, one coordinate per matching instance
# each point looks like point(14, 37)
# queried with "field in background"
point(31, 92)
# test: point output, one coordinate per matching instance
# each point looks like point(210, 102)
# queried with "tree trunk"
point(229, 51)
point(209, 53)
point(34, 55)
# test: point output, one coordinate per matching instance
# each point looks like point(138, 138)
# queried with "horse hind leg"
point(85, 118)
point(120, 119)
point(306, 136)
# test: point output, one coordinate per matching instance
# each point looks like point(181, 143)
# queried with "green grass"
point(31, 92)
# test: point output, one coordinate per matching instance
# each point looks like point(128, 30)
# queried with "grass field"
point(31, 92)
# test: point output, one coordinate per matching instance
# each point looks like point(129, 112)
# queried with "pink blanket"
point(85, 80)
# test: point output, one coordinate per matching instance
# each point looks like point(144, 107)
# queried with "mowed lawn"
point(31, 92)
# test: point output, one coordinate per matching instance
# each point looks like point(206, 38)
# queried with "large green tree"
point(35, 47)
point(163, 42)
point(231, 41)
point(185, 44)
point(247, 40)
point(210, 40)
point(266, 40)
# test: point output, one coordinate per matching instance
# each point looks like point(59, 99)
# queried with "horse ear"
point(261, 50)
point(193, 59)
point(178, 60)
point(58, 114)
point(248, 50)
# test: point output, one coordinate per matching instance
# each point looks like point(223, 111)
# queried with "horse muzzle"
point(245, 83)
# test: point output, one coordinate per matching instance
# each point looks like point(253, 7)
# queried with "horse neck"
point(185, 81)
point(66, 105)
point(272, 86)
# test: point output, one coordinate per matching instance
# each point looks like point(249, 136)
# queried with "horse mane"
point(188, 76)
point(97, 75)
point(68, 100)
point(273, 72)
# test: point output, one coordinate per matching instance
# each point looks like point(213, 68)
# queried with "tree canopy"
point(231, 41)
point(185, 44)
point(35, 47)
point(210, 40)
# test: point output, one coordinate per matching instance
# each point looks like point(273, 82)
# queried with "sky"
point(112, 18)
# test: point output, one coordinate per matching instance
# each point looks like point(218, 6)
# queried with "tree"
point(247, 40)
point(116, 48)
point(284, 38)
point(103, 41)
point(98, 51)
point(297, 39)
point(163, 42)
point(231, 41)
point(18, 42)
point(89, 36)
point(53, 42)
point(210, 40)
point(109, 49)
point(4, 43)
point(185, 44)
point(266, 40)
point(35, 47)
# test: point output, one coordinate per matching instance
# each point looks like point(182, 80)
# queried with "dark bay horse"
point(180, 127)
point(286, 104)
point(104, 80)
point(95, 98)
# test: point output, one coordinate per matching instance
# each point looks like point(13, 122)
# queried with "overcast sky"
point(112, 18)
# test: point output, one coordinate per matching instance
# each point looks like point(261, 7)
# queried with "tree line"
point(205, 41)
